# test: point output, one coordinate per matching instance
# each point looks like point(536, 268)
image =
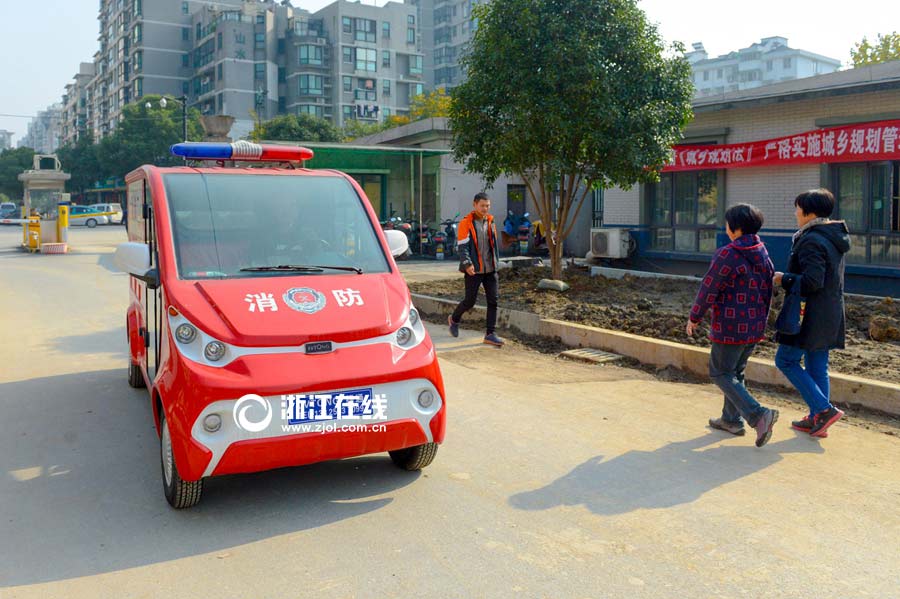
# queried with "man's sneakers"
point(805, 425)
point(454, 326)
point(492, 339)
point(728, 427)
point(823, 420)
point(764, 427)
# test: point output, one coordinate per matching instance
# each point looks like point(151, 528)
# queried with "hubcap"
point(168, 462)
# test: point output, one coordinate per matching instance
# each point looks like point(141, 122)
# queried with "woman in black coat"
point(817, 265)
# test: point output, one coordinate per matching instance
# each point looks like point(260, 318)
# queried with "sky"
point(42, 42)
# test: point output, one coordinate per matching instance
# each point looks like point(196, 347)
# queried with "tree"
point(431, 105)
point(12, 163)
point(296, 127)
point(569, 95)
point(82, 161)
point(144, 136)
point(885, 48)
point(354, 128)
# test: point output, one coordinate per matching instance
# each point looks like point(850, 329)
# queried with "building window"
point(184, 8)
point(311, 85)
point(787, 63)
point(138, 8)
point(410, 35)
point(347, 83)
point(219, 41)
point(411, 19)
point(385, 58)
point(311, 109)
point(706, 75)
point(138, 33)
point(260, 42)
point(282, 75)
point(366, 59)
point(416, 89)
point(365, 30)
point(311, 55)
point(346, 25)
point(185, 88)
point(347, 112)
point(185, 34)
point(260, 19)
point(415, 65)
point(683, 212)
point(385, 30)
point(769, 65)
point(138, 61)
point(259, 70)
point(718, 73)
point(219, 71)
point(348, 54)
point(867, 197)
point(186, 60)
point(386, 87)
point(138, 88)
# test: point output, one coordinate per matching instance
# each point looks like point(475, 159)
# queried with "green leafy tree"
point(297, 127)
point(82, 161)
point(885, 48)
point(12, 163)
point(145, 135)
point(569, 95)
point(354, 128)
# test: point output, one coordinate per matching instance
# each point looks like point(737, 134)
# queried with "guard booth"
point(45, 210)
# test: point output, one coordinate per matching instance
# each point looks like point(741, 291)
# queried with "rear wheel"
point(414, 458)
point(179, 493)
point(90, 223)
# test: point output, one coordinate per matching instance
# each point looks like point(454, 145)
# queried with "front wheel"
point(90, 223)
point(414, 458)
point(135, 377)
point(179, 493)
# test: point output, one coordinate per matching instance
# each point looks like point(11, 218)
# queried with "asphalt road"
point(556, 480)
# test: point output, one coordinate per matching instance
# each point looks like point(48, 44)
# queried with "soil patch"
point(659, 308)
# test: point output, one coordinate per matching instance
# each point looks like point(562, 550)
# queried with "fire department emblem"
point(304, 299)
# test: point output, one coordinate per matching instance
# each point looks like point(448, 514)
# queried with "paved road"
point(556, 480)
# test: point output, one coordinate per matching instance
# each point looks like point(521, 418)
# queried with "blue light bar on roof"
point(241, 150)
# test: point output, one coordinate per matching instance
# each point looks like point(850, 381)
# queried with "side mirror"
point(134, 258)
point(398, 242)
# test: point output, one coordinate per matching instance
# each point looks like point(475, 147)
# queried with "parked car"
point(9, 210)
point(116, 209)
point(87, 216)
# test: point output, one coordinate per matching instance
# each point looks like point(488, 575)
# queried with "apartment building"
point(6, 139)
point(764, 63)
point(44, 131)
point(447, 27)
point(74, 101)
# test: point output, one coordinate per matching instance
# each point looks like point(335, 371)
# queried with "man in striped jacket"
point(478, 259)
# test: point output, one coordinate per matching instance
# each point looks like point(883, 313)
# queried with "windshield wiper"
point(300, 268)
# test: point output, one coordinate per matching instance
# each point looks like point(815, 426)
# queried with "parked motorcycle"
point(451, 225)
point(516, 230)
point(524, 232)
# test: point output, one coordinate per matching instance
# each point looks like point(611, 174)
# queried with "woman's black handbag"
point(790, 319)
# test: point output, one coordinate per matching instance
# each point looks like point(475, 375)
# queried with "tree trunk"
point(556, 255)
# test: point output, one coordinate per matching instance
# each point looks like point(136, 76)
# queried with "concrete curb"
point(876, 395)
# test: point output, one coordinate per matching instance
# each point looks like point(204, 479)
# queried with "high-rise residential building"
point(764, 63)
point(5, 139)
point(447, 28)
point(74, 114)
point(44, 131)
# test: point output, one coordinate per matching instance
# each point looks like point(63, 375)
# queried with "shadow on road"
point(111, 341)
point(81, 494)
point(674, 474)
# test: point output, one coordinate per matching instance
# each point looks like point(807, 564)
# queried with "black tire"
point(90, 223)
point(135, 378)
point(179, 493)
point(414, 458)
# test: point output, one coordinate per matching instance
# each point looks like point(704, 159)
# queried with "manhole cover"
point(594, 356)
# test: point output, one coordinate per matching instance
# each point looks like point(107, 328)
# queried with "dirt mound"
point(659, 308)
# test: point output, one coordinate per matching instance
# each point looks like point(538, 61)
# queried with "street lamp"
point(181, 100)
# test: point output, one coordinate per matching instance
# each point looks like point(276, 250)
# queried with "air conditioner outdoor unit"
point(610, 243)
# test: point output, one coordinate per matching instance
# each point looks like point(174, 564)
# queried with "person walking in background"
point(478, 260)
point(738, 290)
point(816, 264)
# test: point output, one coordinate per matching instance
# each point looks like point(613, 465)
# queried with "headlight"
point(426, 398)
point(413, 317)
point(185, 333)
point(212, 423)
point(404, 335)
point(214, 351)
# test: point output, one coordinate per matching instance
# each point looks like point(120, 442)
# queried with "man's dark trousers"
point(491, 284)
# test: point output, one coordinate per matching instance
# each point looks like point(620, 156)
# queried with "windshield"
point(224, 225)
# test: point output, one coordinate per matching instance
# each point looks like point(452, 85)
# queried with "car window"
point(223, 223)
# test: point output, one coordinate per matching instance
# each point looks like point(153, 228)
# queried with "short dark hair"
point(480, 196)
point(746, 217)
point(816, 201)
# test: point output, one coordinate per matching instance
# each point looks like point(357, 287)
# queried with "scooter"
point(450, 233)
point(524, 232)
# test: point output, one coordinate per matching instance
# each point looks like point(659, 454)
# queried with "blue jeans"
point(811, 381)
point(726, 369)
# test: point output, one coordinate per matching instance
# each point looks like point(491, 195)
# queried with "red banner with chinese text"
point(862, 142)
